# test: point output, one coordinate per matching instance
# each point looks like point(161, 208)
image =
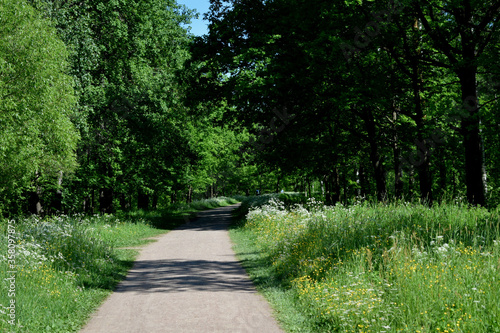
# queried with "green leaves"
point(370, 82)
point(36, 99)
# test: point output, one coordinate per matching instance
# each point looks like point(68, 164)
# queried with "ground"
point(187, 281)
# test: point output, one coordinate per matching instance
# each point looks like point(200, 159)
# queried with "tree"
point(463, 32)
point(125, 56)
point(37, 137)
point(359, 95)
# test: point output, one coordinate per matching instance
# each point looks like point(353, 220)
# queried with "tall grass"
point(385, 268)
point(65, 267)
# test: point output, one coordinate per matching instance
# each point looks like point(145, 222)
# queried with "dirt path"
point(188, 281)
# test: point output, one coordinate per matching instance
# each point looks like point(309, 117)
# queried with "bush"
point(290, 199)
point(252, 202)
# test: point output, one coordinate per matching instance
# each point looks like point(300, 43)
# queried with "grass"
point(67, 265)
point(267, 282)
point(375, 268)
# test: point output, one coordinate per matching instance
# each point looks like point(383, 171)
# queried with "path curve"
point(187, 281)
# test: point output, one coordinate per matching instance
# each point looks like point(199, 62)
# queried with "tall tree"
point(37, 137)
point(125, 56)
point(463, 32)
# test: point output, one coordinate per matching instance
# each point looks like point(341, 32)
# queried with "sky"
point(199, 26)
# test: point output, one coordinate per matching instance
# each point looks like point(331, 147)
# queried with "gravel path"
point(187, 281)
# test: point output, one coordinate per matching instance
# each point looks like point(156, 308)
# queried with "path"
point(187, 281)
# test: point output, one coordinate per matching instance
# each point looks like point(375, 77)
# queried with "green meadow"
point(399, 267)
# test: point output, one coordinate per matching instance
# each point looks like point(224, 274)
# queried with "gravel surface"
point(187, 281)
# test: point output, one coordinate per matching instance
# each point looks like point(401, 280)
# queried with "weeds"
point(385, 268)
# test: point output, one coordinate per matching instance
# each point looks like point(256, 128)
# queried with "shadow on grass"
point(107, 277)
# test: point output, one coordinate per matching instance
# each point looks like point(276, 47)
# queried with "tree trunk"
point(93, 201)
point(336, 185)
point(88, 203)
point(189, 194)
point(142, 200)
point(472, 140)
point(124, 202)
point(328, 193)
point(85, 204)
point(34, 200)
point(454, 183)
point(154, 203)
point(210, 192)
point(411, 182)
point(106, 200)
point(422, 162)
point(378, 168)
point(56, 204)
point(443, 183)
point(398, 171)
point(344, 182)
point(363, 190)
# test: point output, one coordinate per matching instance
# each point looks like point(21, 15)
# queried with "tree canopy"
point(114, 105)
point(37, 100)
point(372, 86)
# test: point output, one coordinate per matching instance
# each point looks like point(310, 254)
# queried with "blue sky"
point(198, 27)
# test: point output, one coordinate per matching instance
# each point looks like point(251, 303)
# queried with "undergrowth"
point(383, 267)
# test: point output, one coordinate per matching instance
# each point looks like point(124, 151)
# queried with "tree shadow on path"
point(171, 276)
point(184, 275)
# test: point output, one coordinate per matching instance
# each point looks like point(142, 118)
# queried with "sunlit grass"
point(385, 268)
point(65, 266)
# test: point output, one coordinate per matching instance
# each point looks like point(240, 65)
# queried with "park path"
point(187, 281)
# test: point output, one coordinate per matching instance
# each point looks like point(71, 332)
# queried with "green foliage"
point(218, 161)
point(36, 101)
point(384, 267)
point(290, 199)
point(125, 58)
point(179, 212)
point(365, 98)
point(253, 202)
point(203, 204)
point(376, 90)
